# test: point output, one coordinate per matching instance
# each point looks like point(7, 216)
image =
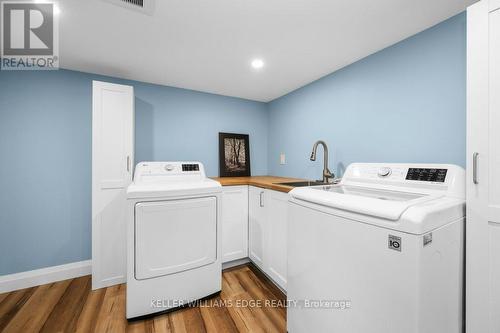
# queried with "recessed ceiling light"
point(257, 63)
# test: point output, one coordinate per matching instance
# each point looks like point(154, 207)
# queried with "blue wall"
point(405, 103)
point(45, 145)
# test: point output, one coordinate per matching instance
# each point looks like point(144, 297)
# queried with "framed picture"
point(234, 155)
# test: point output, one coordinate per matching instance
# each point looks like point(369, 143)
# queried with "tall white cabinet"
point(112, 164)
point(483, 168)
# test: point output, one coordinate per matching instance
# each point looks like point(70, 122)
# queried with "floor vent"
point(143, 6)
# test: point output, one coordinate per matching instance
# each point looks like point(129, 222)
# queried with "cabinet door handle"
point(128, 163)
point(474, 168)
point(261, 199)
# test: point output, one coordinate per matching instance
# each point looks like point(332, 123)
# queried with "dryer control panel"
point(190, 167)
point(169, 171)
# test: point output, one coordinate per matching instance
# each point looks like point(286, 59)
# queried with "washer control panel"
point(427, 174)
point(445, 179)
point(400, 173)
point(379, 172)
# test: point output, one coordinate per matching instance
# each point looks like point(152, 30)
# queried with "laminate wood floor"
point(70, 306)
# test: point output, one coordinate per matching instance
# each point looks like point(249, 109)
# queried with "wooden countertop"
point(268, 182)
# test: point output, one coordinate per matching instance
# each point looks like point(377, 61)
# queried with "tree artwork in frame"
point(234, 155)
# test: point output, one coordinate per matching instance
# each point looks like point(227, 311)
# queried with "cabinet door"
point(276, 254)
point(112, 158)
point(257, 225)
point(483, 167)
point(234, 223)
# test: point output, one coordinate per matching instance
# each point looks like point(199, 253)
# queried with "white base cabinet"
point(277, 215)
point(267, 211)
point(256, 225)
point(234, 223)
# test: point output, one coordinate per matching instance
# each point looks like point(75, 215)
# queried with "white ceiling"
point(208, 45)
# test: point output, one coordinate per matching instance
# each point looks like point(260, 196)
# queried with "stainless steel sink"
point(304, 183)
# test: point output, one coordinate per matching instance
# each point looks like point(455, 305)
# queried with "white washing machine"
point(381, 252)
point(173, 237)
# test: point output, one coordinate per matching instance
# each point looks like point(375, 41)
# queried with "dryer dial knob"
point(169, 167)
point(384, 172)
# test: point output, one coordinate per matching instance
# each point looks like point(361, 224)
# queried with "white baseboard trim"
point(108, 282)
point(268, 276)
point(235, 263)
point(46, 275)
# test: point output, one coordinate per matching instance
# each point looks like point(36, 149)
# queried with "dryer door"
point(175, 235)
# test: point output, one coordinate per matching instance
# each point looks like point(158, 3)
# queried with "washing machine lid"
point(380, 203)
point(168, 179)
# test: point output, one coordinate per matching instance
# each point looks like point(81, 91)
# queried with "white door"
point(276, 254)
point(256, 225)
point(174, 236)
point(234, 223)
point(112, 158)
point(483, 168)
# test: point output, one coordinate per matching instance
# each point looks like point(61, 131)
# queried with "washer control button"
point(169, 167)
point(384, 172)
